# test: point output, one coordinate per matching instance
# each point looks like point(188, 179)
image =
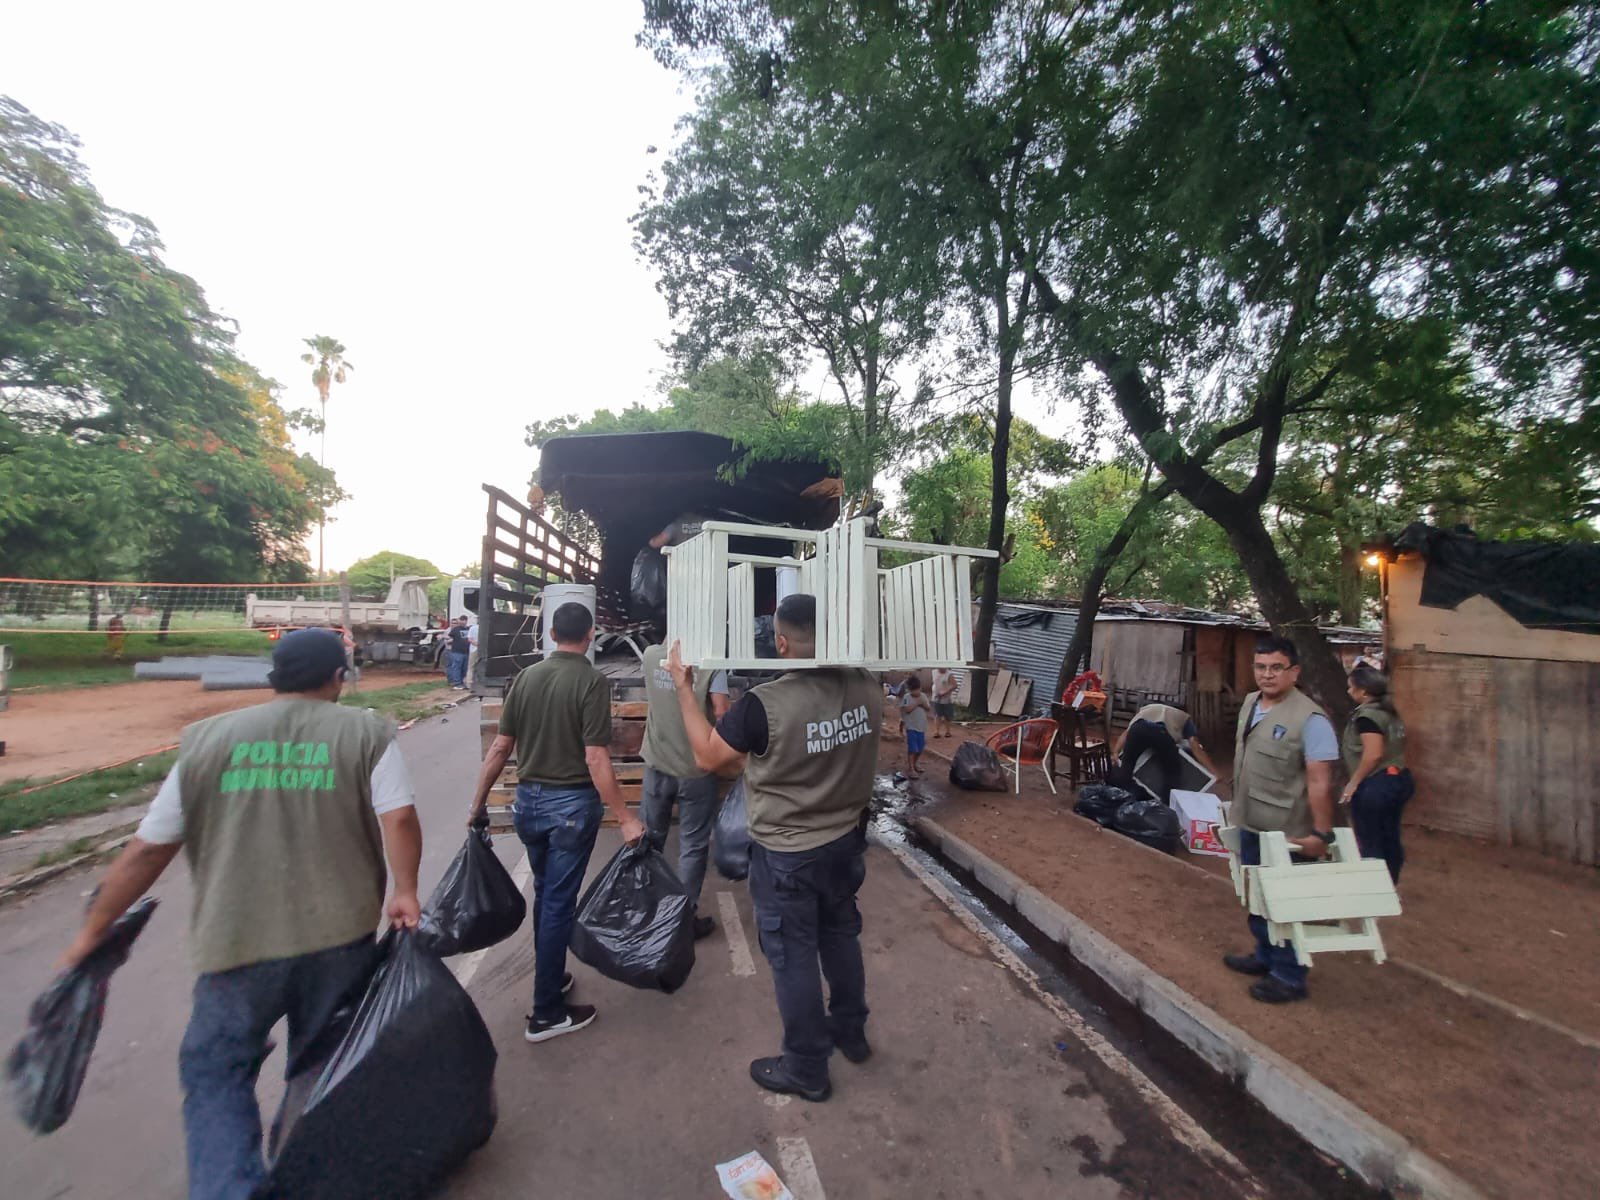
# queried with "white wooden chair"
point(1323, 906)
point(914, 616)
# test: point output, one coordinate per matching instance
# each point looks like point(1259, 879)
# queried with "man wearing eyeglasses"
point(286, 811)
point(1282, 783)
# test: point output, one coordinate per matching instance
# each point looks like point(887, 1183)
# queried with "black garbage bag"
point(1150, 822)
point(766, 637)
point(396, 1092)
point(635, 922)
point(977, 768)
point(647, 582)
point(46, 1067)
point(1100, 802)
point(730, 842)
point(476, 903)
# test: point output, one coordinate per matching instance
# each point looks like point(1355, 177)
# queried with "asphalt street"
point(982, 1083)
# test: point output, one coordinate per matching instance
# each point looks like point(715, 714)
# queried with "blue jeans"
point(1280, 960)
point(805, 904)
point(226, 1043)
point(697, 808)
point(1375, 812)
point(558, 825)
point(455, 668)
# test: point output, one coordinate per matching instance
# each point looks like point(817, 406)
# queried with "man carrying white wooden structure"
point(671, 776)
point(1282, 782)
point(808, 742)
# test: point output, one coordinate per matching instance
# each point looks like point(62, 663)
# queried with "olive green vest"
point(666, 742)
point(813, 783)
point(1269, 773)
point(1170, 718)
point(1394, 738)
point(283, 846)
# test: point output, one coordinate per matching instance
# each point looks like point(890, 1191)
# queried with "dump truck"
point(394, 629)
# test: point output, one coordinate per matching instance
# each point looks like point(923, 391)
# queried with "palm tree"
point(326, 357)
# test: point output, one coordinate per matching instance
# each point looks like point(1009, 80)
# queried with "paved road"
point(981, 1085)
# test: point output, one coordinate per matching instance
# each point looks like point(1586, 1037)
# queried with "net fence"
point(77, 605)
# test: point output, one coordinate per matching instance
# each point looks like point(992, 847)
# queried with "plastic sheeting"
point(1544, 585)
point(636, 922)
point(45, 1070)
point(393, 1094)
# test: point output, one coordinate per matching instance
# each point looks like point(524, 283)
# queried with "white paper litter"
point(751, 1177)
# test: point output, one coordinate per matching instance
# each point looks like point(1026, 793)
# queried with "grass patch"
point(71, 850)
point(64, 660)
point(403, 702)
point(96, 791)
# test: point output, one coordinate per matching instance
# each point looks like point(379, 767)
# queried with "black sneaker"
point(856, 1049)
point(1273, 990)
point(574, 1019)
point(770, 1074)
point(703, 927)
point(1245, 964)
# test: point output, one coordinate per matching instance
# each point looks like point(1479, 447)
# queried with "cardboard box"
point(1199, 813)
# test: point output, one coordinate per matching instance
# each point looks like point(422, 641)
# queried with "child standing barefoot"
point(914, 710)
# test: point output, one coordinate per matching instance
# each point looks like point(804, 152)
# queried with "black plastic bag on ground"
point(476, 903)
point(1150, 822)
point(975, 767)
point(392, 1095)
point(1100, 802)
point(45, 1069)
point(635, 923)
point(730, 843)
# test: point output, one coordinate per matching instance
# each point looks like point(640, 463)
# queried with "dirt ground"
point(54, 733)
point(1505, 1102)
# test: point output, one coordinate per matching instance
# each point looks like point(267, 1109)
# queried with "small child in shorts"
point(914, 710)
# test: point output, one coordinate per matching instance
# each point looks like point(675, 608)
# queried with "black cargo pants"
point(805, 904)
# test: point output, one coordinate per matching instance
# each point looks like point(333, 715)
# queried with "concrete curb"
point(1326, 1120)
point(18, 884)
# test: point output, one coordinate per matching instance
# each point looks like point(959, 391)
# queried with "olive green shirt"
point(554, 710)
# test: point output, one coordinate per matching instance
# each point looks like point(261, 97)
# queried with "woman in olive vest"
point(1374, 752)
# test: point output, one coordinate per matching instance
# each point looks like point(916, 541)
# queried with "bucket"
point(553, 596)
point(788, 582)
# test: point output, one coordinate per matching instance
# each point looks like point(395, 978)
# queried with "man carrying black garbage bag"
point(285, 811)
point(808, 742)
point(671, 776)
point(557, 717)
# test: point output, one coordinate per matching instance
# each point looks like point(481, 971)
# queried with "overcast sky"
point(445, 189)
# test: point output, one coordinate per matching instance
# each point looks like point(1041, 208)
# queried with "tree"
point(765, 252)
point(371, 576)
point(328, 367)
point(133, 442)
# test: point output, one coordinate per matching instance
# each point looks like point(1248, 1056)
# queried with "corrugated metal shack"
point(1151, 652)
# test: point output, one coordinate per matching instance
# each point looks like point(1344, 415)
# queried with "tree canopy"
point(133, 440)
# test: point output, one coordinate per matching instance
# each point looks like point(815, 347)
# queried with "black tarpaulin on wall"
point(1544, 585)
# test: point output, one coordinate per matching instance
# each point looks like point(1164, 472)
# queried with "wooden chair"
point(1085, 741)
point(1322, 906)
point(1027, 743)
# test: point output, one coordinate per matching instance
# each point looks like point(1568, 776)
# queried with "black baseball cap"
point(305, 660)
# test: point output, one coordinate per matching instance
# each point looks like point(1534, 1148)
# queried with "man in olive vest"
point(809, 744)
point(1282, 782)
point(285, 811)
point(1162, 729)
point(670, 773)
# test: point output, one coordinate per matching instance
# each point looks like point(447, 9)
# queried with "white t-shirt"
point(391, 789)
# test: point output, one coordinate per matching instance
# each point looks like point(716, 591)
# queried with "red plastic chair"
point(1027, 743)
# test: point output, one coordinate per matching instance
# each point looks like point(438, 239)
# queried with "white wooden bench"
point(1322, 906)
point(913, 616)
